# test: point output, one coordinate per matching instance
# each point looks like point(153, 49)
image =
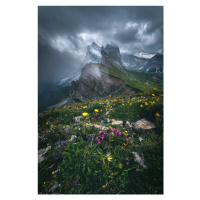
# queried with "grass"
point(136, 80)
point(98, 163)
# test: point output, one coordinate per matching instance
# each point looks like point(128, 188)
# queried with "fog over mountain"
point(65, 32)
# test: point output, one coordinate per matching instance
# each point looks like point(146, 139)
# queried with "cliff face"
point(94, 84)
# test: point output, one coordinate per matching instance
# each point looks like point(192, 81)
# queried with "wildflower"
point(96, 110)
point(140, 139)
point(141, 105)
point(53, 172)
point(55, 121)
point(153, 95)
point(157, 115)
point(47, 123)
point(56, 171)
point(109, 159)
point(67, 125)
point(54, 176)
point(127, 163)
point(120, 165)
point(104, 185)
point(126, 158)
point(146, 104)
point(44, 183)
point(97, 114)
point(155, 88)
point(84, 114)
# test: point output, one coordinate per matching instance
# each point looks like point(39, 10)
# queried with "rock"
point(41, 153)
point(107, 112)
point(144, 124)
point(77, 119)
point(53, 187)
point(40, 158)
point(94, 84)
point(112, 120)
point(73, 137)
point(51, 166)
point(118, 123)
point(139, 159)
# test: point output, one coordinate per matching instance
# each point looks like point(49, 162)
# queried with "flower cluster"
point(127, 160)
point(117, 132)
point(102, 134)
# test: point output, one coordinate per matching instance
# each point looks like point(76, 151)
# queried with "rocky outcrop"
point(94, 83)
point(111, 56)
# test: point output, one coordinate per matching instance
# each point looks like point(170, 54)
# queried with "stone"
point(77, 119)
point(112, 120)
point(144, 124)
point(41, 153)
point(107, 112)
point(51, 166)
point(53, 187)
point(139, 159)
point(118, 123)
point(40, 158)
point(73, 137)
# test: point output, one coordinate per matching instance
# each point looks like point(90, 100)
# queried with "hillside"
point(111, 145)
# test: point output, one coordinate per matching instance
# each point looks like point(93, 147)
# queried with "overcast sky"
point(64, 33)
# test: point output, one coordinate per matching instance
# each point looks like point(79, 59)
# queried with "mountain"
point(105, 71)
point(110, 77)
point(133, 62)
point(93, 53)
point(155, 64)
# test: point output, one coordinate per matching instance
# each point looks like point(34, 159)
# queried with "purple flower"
point(56, 171)
point(126, 158)
point(64, 147)
point(55, 121)
point(127, 163)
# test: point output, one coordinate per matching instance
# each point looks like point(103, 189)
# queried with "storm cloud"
point(64, 33)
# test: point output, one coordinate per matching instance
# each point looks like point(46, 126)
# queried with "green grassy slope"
point(138, 81)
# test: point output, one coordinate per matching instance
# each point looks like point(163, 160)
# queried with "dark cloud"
point(65, 31)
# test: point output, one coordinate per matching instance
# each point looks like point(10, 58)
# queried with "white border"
point(19, 98)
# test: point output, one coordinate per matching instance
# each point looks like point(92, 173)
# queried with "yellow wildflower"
point(155, 88)
point(104, 185)
point(96, 110)
point(84, 114)
point(44, 183)
point(157, 115)
point(153, 95)
point(146, 104)
point(54, 176)
point(47, 123)
point(53, 172)
point(141, 105)
point(120, 165)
